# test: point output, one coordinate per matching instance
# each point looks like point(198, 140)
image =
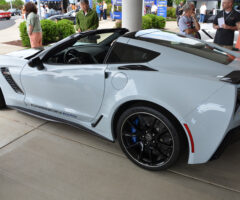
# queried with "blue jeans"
point(202, 16)
point(99, 16)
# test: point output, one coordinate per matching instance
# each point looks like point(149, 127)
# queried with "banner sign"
point(162, 8)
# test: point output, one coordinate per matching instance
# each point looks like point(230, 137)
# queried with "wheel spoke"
point(165, 145)
point(133, 145)
point(150, 156)
point(141, 153)
point(143, 122)
point(153, 124)
point(129, 134)
point(162, 133)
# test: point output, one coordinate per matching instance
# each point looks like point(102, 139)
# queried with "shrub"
point(118, 24)
point(64, 28)
point(49, 31)
point(146, 22)
point(160, 22)
point(173, 12)
point(109, 8)
point(157, 21)
point(169, 12)
point(154, 20)
point(24, 34)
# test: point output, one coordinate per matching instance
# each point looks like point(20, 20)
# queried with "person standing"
point(203, 11)
point(179, 11)
point(225, 22)
point(98, 10)
point(43, 11)
point(47, 12)
point(86, 18)
point(69, 8)
point(33, 25)
point(188, 23)
point(154, 9)
point(104, 10)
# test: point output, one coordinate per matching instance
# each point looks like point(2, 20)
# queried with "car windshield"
point(96, 39)
point(188, 45)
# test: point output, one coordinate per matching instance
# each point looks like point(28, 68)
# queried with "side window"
point(91, 49)
point(124, 53)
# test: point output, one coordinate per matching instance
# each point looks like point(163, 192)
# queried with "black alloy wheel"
point(148, 138)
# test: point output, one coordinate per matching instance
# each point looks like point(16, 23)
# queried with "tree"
point(177, 2)
point(4, 5)
point(17, 4)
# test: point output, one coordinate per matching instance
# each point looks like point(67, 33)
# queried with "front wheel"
point(148, 138)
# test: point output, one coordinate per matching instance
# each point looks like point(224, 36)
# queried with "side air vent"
point(10, 80)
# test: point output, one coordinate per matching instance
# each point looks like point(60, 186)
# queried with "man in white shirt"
point(154, 9)
point(104, 10)
point(203, 10)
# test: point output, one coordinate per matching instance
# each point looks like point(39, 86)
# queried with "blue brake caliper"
point(133, 130)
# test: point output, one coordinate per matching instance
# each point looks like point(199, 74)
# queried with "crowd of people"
point(86, 19)
point(226, 22)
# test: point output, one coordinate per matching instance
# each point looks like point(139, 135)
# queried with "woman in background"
point(33, 25)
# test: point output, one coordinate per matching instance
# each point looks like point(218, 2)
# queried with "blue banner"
point(162, 8)
point(90, 3)
point(117, 2)
point(116, 15)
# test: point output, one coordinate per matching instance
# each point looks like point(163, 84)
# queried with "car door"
point(65, 90)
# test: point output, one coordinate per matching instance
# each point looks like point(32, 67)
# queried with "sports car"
point(155, 92)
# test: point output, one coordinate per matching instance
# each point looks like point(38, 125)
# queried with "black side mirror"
point(36, 62)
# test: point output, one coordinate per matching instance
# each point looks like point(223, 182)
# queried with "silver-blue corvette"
point(155, 92)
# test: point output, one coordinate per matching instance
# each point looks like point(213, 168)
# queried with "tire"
point(148, 138)
point(2, 101)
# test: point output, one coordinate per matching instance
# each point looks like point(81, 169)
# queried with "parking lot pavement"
point(45, 165)
point(55, 161)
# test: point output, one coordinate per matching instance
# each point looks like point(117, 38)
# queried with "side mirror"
point(36, 62)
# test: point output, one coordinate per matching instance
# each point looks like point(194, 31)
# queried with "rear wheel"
point(148, 138)
point(2, 101)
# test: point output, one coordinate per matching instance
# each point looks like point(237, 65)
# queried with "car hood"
point(25, 53)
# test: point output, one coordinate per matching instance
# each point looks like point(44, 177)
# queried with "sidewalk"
point(10, 34)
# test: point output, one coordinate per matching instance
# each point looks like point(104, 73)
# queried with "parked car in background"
point(14, 11)
point(71, 15)
point(5, 14)
point(208, 33)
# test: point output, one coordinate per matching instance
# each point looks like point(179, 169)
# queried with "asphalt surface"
point(8, 23)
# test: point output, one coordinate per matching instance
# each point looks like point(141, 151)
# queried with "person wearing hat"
point(86, 18)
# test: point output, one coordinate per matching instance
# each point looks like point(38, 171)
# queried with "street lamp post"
point(11, 3)
point(39, 9)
